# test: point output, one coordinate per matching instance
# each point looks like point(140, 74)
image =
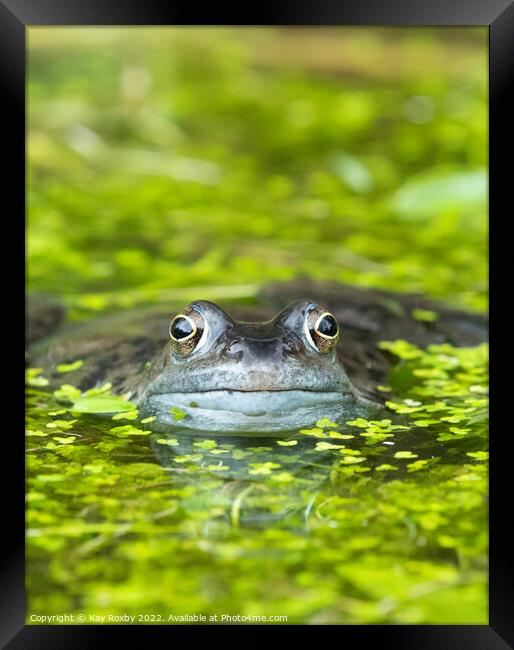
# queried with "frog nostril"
point(232, 350)
point(255, 351)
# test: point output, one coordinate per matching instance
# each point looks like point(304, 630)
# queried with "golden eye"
point(322, 329)
point(327, 326)
point(186, 331)
point(182, 328)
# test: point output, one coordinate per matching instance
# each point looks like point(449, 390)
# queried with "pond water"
point(380, 521)
point(166, 165)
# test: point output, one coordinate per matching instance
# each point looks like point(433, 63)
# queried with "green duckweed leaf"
point(325, 446)
point(33, 377)
point(263, 468)
point(69, 367)
point(129, 430)
point(424, 315)
point(478, 455)
point(101, 404)
point(177, 413)
point(324, 423)
point(206, 444)
point(126, 415)
point(405, 454)
point(67, 392)
point(172, 442)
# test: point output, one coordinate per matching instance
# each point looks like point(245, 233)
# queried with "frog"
point(303, 351)
point(224, 374)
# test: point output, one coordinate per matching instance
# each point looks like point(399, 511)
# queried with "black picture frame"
point(15, 17)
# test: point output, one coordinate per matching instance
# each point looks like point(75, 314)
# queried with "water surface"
point(379, 521)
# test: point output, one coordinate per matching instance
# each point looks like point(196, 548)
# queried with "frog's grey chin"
point(248, 411)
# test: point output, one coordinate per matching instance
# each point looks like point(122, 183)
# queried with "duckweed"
point(394, 515)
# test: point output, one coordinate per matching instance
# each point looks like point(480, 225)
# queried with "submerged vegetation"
point(199, 163)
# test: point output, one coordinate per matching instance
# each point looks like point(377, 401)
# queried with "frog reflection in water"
point(229, 375)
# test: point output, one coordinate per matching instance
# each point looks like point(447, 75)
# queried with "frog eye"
point(186, 331)
point(182, 328)
point(322, 329)
point(326, 326)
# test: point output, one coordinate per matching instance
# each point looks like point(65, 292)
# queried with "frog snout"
point(254, 351)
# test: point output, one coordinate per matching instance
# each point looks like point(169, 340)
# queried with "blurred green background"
point(201, 162)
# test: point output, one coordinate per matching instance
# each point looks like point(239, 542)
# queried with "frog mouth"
point(247, 400)
point(252, 391)
point(246, 410)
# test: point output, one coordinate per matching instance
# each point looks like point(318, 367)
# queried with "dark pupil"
point(181, 328)
point(328, 326)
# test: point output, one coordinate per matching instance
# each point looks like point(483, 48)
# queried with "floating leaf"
point(126, 415)
point(206, 444)
point(101, 404)
point(65, 441)
point(33, 377)
point(325, 446)
point(177, 413)
point(459, 431)
point(359, 422)
point(263, 468)
point(172, 442)
point(67, 392)
point(349, 460)
point(424, 315)
point(340, 436)
point(325, 423)
point(405, 454)
point(282, 477)
point(418, 464)
point(424, 423)
point(316, 433)
point(402, 349)
point(61, 424)
point(129, 430)
point(478, 455)
point(69, 367)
